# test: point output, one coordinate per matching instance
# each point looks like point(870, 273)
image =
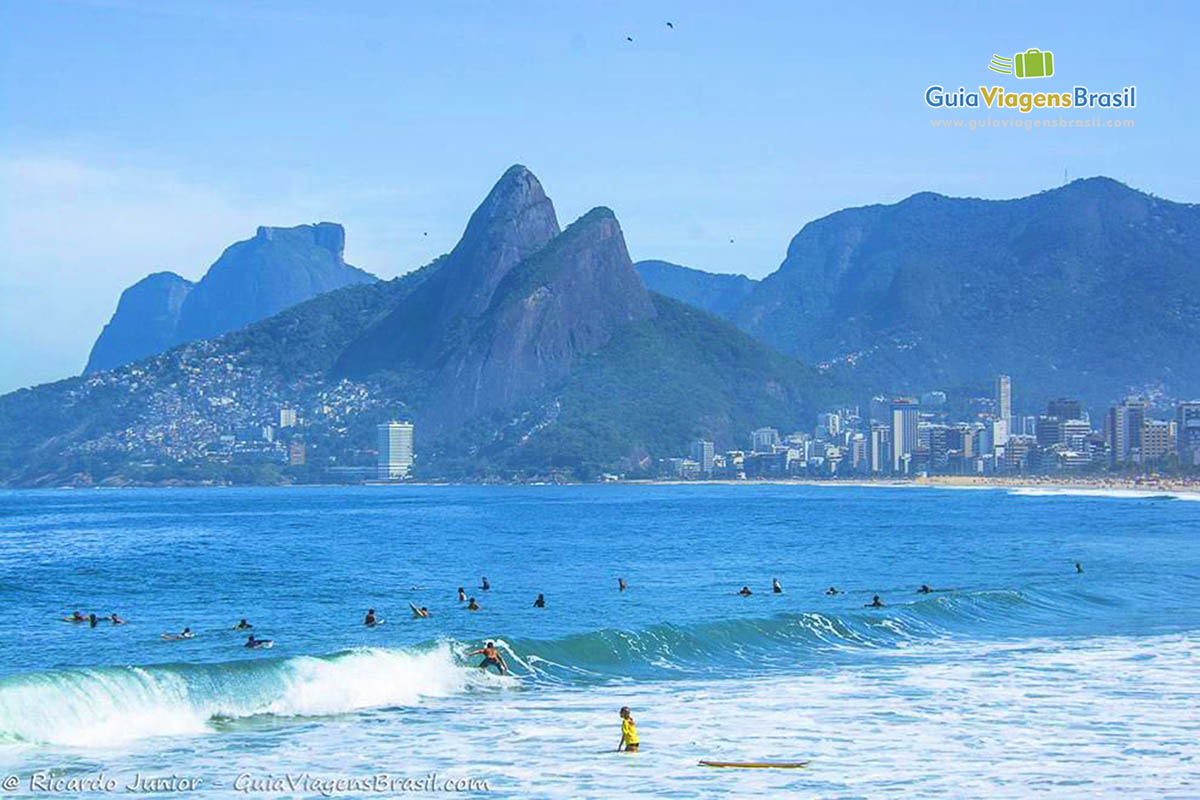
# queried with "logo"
point(1033, 63)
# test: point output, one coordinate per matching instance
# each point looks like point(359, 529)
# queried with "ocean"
point(1018, 676)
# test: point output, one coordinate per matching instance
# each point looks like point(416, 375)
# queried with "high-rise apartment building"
point(395, 446)
point(703, 454)
point(905, 418)
point(1004, 401)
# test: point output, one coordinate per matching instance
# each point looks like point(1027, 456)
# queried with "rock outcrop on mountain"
point(144, 323)
point(252, 280)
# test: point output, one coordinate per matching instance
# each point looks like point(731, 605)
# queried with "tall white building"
point(1004, 401)
point(703, 454)
point(395, 444)
point(905, 417)
point(287, 417)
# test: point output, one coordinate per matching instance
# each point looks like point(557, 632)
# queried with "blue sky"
point(138, 136)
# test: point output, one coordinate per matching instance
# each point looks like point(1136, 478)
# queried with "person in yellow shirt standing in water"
point(629, 736)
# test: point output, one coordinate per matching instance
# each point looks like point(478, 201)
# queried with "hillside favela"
point(530, 353)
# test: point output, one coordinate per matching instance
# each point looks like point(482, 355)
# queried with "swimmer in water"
point(243, 626)
point(491, 658)
point(875, 602)
point(370, 621)
point(924, 589)
point(472, 605)
point(745, 591)
point(776, 587)
point(540, 602)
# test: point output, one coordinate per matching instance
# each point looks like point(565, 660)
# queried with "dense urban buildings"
point(906, 436)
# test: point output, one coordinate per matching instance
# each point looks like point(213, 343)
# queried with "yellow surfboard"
point(756, 764)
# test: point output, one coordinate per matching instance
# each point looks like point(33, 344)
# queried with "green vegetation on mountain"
point(1090, 290)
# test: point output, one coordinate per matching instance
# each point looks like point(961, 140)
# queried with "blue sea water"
point(1018, 676)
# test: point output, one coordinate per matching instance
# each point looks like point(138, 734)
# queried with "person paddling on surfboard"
point(745, 591)
point(875, 602)
point(115, 620)
point(472, 605)
point(419, 613)
point(370, 621)
point(254, 644)
point(629, 735)
point(243, 625)
point(491, 658)
point(776, 586)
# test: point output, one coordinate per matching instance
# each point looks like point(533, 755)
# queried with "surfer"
point(832, 590)
point(491, 658)
point(419, 613)
point(243, 626)
point(472, 605)
point(745, 591)
point(629, 735)
point(254, 644)
point(186, 633)
point(776, 587)
point(621, 585)
point(875, 602)
point(92, 620)
point(115, 620)
point(370, 621)
point(462, 596)
point(1078, 568)
point(540, 602)
point(483, 584)
point(924, 589)
point(75, 617)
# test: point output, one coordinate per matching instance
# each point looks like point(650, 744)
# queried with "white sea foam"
point(1121, 494)
point(105, 706)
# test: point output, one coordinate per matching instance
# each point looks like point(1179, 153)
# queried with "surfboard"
point(756, 764)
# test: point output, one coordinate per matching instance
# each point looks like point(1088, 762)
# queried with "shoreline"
point(1044, 483)
point(1138, 487)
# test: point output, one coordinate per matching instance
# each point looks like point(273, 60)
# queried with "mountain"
point(145, 321)
point(718, 294)
point(515, 220)
point(524, 350)
point(1088, 290)
point(252, 280)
